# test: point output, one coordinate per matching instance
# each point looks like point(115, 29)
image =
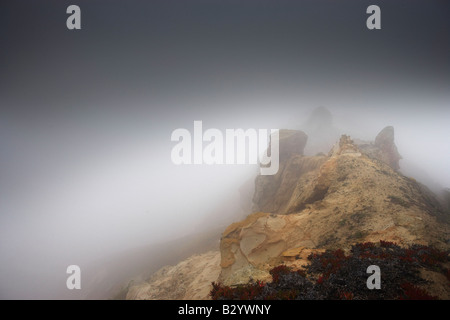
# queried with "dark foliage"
point(336, 275)
point(412, 292)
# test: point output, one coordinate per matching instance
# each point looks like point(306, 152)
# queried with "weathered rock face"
point(279, 193)
point(252, 247)
point(292, 142)
point(385, 142)
point(272, 193)
point(384, 148)
point(330, 202)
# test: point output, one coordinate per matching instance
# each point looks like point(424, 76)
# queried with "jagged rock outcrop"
point(345, 197)
point(270, 194)
point(273, 192)
point(280, 193)
point(384, 148)
point(292, 142)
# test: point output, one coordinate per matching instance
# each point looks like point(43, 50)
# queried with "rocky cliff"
point(353, 194)
point(326, 202)
point(383, 148)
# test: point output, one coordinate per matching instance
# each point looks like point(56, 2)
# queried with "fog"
point(74, 192)
point(86, 119)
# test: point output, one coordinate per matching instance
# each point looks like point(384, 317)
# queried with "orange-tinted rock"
point(332, 201)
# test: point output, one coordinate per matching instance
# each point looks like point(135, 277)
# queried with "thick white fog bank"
point(79, 194)
point(421, 135)
point(76, 190)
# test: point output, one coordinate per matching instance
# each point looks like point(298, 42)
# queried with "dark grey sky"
point(167, 50)
point(86, 116)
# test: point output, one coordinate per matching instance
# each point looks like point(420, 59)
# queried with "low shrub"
point(335, 275)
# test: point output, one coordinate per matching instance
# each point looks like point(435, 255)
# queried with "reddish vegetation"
point(247, 292)
point(277, 271)
point(346, 296)
point(411, 292)
point(335, 275)
point(386, 244)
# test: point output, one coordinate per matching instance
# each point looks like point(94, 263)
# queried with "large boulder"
point(384, 148)
point(385, 142)
point(292, 142)
point(272, 190)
